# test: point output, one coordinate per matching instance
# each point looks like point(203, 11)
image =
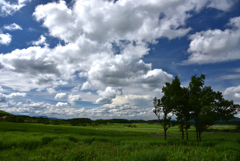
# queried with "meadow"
point(38, 142)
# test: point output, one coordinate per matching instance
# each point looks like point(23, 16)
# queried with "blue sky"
point(106, 59)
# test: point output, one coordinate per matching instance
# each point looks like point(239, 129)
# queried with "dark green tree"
point(207, 106)
point(182, 110)
point(196, 102)
point(166, 104)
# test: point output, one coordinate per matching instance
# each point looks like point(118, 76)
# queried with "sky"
point(104, 59)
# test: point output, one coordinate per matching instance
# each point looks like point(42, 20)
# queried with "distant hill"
point(3, 113)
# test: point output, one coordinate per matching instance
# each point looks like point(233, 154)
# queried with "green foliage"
point(196, 102)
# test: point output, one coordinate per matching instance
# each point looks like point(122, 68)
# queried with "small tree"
point(165, 121)
point(182, 111)
point(207, 106)
point(166, 104)
point(196, 102)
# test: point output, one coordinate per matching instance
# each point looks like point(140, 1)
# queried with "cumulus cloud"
point(5, 39)
point(33, 60)
point(41, 41)
point(73, 98)
point(125, 69)
point(61, 104)
point(100, 23)
point(51, 90)
point(110, 21)
point(13, 26)
point(232, 92)
point(91, 33)
point(60, 95)
point(17, 94)
point(140, 100)
point(214, 46)
point(2, 97)
point(11, 103)
point(223, 5)
point(105, 43)
point(1, 89)
point(60, 110)
point(7, 8)
point(122, 111)
point(29, 101)
point(107, 95)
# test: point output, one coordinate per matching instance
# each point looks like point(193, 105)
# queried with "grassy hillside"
point(3, 113)
point(27, 141)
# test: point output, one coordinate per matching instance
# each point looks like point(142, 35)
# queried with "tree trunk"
point(186, 134)
point(165, 134)
point(197, 128)
point(200, 139)
point(197, 134)
point(182, 133)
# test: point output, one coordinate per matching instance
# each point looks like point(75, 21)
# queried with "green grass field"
point(22, 141)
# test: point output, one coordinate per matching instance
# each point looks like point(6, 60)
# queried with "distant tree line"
point(195, 102)
point(73, 122)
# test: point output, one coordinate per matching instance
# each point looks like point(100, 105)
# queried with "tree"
point(196, 102)
point(166, 120)
point(166, 104)
point(182, 111)
point(207, 106)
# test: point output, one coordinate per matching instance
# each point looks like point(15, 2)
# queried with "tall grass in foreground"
point(43, 142)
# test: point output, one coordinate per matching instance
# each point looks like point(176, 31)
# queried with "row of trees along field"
point(197, 102)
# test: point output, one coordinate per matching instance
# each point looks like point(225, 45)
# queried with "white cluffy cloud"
point(7, 8)
point(61, 104)
point(105, 43)
point(232, 92)
point(13, 26)
point(5, 39)
point(60, 95)
point(11, 103)
point(214, 46)
point(2, 89)
point(41, 41)
point(51, 90)
point(107, 95)
point(4, 97)
point(92, 33)
point(73, 98)
point(17, 94)
point(125, 19)
point(60, 110)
